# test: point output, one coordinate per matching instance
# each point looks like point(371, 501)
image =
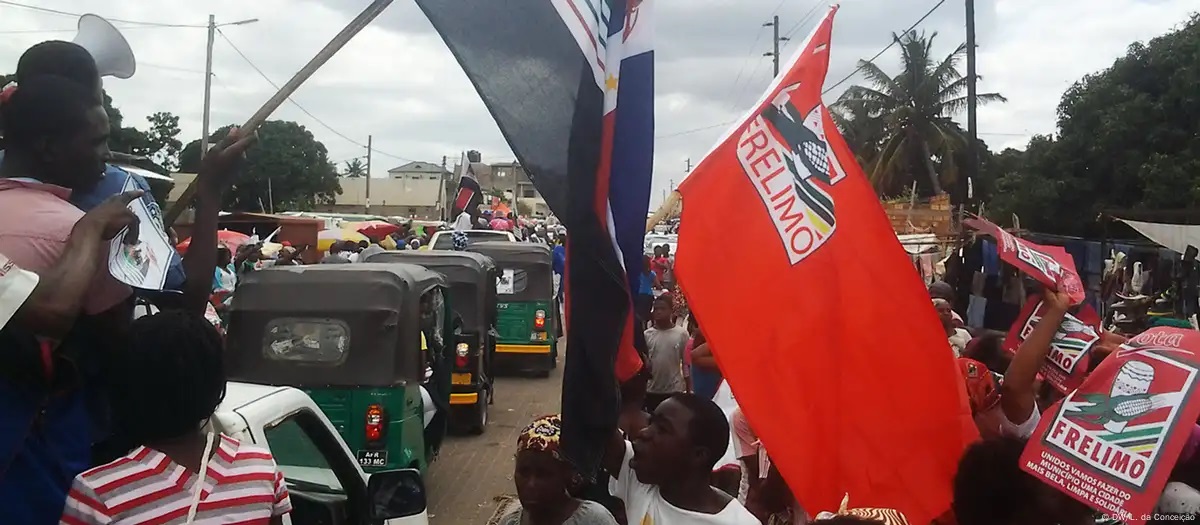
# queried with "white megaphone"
point(108, 48)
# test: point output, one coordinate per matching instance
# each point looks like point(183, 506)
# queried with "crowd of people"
point(663, 464)
point(99, 423)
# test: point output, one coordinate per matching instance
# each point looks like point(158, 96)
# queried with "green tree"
point(288, 170)
point(915, 108)
point(354, 168)
point(1128, 139)
point(163, 139)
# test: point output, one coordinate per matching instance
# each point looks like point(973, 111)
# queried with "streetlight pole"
point(212, 33)
point(208, 74)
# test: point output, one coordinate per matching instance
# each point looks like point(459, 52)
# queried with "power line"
point(749, 55)
point(77, 15)
point(827, 90)
point(297, 104)
point(693, 130)
point(804, 19)
point(72, 30)
point(884, 50)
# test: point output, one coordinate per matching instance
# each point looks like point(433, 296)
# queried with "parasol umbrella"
point(229, 238)
point(326, 238)
point(375, 229)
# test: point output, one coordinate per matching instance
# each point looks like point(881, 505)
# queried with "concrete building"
point(407, 196)
point(511, 178)
point(418, 170)
point(417, 198)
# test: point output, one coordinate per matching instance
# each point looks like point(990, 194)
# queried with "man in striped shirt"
point(167, 383)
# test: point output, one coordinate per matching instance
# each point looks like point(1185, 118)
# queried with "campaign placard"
point(1067, 361)
point(1112, 443)
point(1050, 265)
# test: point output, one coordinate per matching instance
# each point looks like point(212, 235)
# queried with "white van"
point(324, 480)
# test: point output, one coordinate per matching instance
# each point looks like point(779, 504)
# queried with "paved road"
point(472, 471)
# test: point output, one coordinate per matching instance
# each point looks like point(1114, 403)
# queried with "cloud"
point(397, 82)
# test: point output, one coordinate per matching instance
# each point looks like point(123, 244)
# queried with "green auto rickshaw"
point(472, 280)
point(368, 342)
point(526, 310)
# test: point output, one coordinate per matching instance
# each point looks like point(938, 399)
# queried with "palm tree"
point(862, 131)
point(911, 113)
point(354, 168)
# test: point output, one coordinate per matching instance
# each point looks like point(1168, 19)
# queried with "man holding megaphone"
point(98, 50)
point(50, 414)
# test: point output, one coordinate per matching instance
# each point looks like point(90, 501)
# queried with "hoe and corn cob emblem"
point(1128, 399)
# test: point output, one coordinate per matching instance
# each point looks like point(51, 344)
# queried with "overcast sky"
point(398, 82)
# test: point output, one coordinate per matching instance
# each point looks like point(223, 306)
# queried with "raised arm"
point(1018, 394)
point(216, 173)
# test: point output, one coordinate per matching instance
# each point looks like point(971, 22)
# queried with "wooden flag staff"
point(286, 91)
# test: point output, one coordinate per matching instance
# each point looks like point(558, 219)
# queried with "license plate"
point(537, 336)
point(372, 458)
point(460, 379)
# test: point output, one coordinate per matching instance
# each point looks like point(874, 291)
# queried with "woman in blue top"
point(645, 297)
point(706, 376)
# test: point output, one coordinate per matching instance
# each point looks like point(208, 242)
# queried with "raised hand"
point(111, 216)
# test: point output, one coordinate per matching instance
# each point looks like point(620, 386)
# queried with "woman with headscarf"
point(460, 241)
point(544, 480)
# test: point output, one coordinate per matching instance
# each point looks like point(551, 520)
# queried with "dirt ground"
point(473, 471)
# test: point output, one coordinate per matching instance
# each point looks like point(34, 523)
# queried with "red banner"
point(1112, 443)
point(832, 400)
point(1050, 265)
point(1066, 364)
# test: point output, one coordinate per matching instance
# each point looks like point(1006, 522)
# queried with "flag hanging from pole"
point(469, 195)
point(571, 85)
point(828, 338)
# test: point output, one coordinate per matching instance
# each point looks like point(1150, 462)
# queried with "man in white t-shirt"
point(663, 475)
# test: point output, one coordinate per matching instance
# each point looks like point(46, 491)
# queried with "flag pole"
point(339, 41)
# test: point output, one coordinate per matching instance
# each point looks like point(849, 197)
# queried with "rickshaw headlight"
point(462, 349)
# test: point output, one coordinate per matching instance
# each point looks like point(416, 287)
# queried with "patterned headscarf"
point(543, 435)
point(885, 516)
point(460, 241)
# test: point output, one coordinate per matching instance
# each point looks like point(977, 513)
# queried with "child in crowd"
point(166, 384)
point(665, 342)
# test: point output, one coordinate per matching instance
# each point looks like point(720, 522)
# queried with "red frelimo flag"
point(815, 315)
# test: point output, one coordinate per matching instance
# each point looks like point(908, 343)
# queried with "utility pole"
point(774, 54)
point(208, 74)
point(368, 207)
point(212, 33)
point(516, 179)
point(689, 165)
point(966, 193)
point(443, 213)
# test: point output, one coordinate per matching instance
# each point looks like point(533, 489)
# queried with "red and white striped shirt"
point(242, 486)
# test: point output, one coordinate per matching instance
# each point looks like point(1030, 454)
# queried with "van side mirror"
point(396, 494)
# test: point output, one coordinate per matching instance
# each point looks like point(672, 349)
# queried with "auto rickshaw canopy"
point(327, 325)
point(471, 276)
point(526, 270)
